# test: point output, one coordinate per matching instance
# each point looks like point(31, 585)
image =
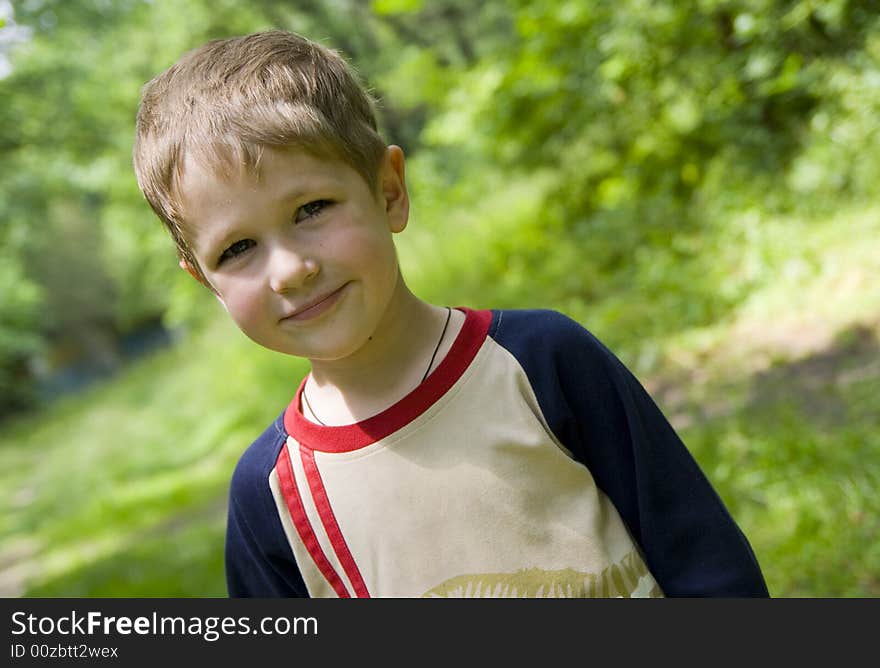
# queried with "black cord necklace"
point(437, 347)
point(427, 371)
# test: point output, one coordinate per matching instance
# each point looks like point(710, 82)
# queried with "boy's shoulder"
point(543, 336)
point(572, 373)
point(256, 463)
point(540, 321)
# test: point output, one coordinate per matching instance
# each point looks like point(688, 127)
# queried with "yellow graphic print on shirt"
point(627, 579)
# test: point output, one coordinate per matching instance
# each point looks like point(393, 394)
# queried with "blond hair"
point(223, 102)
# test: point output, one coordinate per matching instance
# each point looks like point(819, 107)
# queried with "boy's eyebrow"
point(297, 191)
point(214, 236)
point(206, 244)
point(220, 242)
point(230, 228)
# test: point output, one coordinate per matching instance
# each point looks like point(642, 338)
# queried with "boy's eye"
point(311, 209)
point(234, 250)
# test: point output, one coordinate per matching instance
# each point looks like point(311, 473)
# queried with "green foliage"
point(20, 341)
point(659, 121)
point(669, 173)
point(396, 6)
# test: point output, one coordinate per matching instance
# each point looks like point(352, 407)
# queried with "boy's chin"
point(323, 350)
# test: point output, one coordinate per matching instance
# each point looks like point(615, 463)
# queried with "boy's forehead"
point(198, 168)
point(205, 188)
point(268, 167)
point(212, 192)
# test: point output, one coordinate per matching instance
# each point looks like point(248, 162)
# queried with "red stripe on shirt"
point(331, 526)
point(290, 492)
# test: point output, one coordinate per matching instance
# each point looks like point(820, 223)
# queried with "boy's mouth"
point(315, 307)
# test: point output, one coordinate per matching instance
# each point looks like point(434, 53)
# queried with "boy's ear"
point(192, 271)
point(195, 273)
point(393, 184)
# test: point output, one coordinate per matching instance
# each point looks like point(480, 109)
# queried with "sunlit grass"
point(120, 468)
point(779, 402)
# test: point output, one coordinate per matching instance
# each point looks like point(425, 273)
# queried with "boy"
point(430, 451)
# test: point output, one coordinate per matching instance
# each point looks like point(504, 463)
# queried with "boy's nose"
point(289, 269)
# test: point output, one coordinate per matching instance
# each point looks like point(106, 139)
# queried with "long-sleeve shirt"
point(531, 462)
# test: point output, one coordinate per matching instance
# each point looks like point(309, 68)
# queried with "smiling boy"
point(430, 451)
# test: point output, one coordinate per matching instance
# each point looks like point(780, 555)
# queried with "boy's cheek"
point(247, 313)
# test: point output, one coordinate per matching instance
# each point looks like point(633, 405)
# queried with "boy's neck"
point(388, 367)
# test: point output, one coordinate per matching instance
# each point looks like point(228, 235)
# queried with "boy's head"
point(222, 104)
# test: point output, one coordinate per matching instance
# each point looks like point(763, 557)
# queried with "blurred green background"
point(695, 181)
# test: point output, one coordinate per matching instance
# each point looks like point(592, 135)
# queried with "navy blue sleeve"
point(602, 414)
point(259, 561)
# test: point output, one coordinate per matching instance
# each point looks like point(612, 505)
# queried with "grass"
point(121, 490)
point(780, 403)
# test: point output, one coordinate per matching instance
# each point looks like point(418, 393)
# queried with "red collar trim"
point(350, 437)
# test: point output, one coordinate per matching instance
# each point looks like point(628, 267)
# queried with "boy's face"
point(301, 255)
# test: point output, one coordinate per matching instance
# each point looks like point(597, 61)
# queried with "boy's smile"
point(301, 252)
point(315, 307)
